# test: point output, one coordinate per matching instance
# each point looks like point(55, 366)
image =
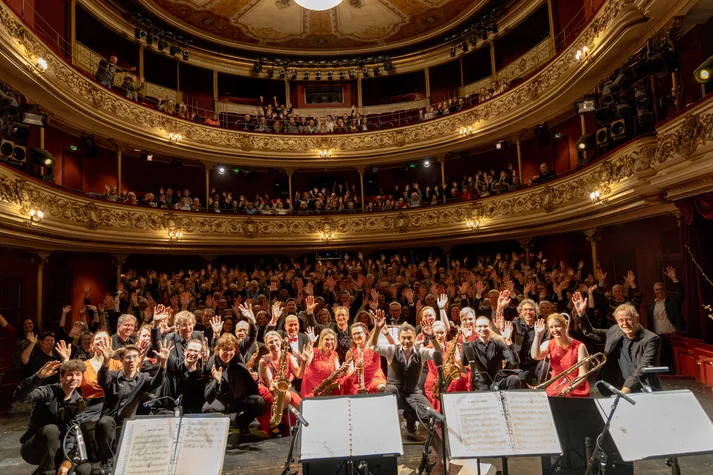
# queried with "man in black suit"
point(522, 337)
point(629, 348)
point(185, 322)
point(665, 317)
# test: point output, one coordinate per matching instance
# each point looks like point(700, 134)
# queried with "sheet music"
point(375, 426)
point(146, 446)
point(532, 427)
point(661, 424)
point(202, 445)
point(327, 435)
point(476, 424)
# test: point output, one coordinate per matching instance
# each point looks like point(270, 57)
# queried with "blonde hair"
point(341, 309)
point(323, 335)
point(227, 340)
point(559, 318)
point(183, 316)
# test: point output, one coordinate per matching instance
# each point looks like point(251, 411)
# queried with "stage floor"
point(267, 456)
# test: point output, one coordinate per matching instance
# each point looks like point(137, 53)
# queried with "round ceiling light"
point(318, 5)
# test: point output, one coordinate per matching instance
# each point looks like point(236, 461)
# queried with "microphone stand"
point(426, 464)
point(599, 455)
point(444, 428)
point(293, 437)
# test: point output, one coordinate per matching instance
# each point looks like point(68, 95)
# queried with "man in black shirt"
point(489, 356)
point(125, 332)
point(122, 392)
point(54, 406)
point(523, 335)
point(38, 353)
point(184, 377)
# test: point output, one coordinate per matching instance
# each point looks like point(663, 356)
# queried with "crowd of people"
point(274, 117)
point(340, 198)
point(250, 341)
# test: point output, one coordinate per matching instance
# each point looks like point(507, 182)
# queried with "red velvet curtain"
point(697, 235)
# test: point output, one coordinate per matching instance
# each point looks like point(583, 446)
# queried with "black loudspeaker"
point(619, 129)
point(376, 466)
point(577, 419)
point(602, 135)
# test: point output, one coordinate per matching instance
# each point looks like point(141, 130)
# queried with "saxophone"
point(362, 388)
point(326, 387)
point(281, 384)
point(451, 372)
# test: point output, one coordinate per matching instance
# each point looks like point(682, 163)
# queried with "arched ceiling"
point(283, 27)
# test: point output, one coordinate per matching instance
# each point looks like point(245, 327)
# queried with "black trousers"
point(44, 449)
point(535, 374)
point(411, 403)
point(105, 438)
point(242, 412)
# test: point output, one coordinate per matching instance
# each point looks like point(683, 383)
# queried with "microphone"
point(470, 356)
point(655, 369)
point(434, 413)
point(299, 416)
point(438, 361)
point(617, 392)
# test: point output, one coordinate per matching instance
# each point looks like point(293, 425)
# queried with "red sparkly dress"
point(560, 360)
point(373, 374)
point(319, 369)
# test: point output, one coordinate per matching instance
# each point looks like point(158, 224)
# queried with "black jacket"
point(237, 382)
point(673, 304)
point(645, 351)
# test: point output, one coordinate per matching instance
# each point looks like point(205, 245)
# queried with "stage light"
point(30, 118)
point(376, 72)
point(91, 150)
point(618, 129)
point(473, 41)
point(365, 72)
point(270, 73)
point(661, 64)
point(586, 142)
point(146, 156)
point(607, 95)
point(139, 33)
point(623, 111)
point(602, 136)
point(185, 55)
point(293, 74)
point(41, 64)
point(387, 64)
point(501, 144)
point(318, 75)
point(329, 75)
point(341, 75)
point(43, 158)
point(352, 73)
point(17, 132)
point(162, 44)
point(426, 164)
point(306, 75)
point(585, 106)
point(282, 73)
point(453, 51)
point(464, 46)
point(221, 170)
point(542, 132)
point(257, 67)
point(703, 73)
point(174, 50)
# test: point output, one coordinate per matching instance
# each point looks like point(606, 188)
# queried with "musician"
point(340, 326)
point(321, 364)
point(365, 371)
point(185, 321)
point(125, 328)
point(490, 353)
point(629, 347)
point(523, 336)
point(467, 319)
point(432, 380)
point(564, 352)
point(122, 392)
point(269, 371)
point(184, 377)
point(405, 366)
point(231, 389)
point(54, 406)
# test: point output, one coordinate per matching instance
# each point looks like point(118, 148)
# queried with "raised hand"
point(503, 299)
point(31, 337)
point(216, 323)
point(66, 309)
point(310, 304)
point(540, 326)
point(580, 303)
point(63, 349)
point(671, 273)
point(103, 350)
point(163, 351)
point(408, 293)
point(379, 319)
point(217, 374)
point(246, 310)
point(276, 312)
point(479, 288)
point(442, 301)
point(311, 334)
point(499, 323)
point(49, 369)
point(185, 299)
point(506, 333)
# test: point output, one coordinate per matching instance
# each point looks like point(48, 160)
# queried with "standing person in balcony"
point(130, 89)
point(107, 69)
point(665, 314)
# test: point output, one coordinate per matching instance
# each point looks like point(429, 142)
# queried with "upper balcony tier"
point(618, 29)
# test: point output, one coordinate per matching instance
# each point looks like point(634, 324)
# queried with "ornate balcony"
point(637, 180)
point(618, 29)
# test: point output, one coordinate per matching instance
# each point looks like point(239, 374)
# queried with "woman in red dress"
point(564, 351)
point(365, 373)
point(439, 331)
point(321, 363)
point(268, 369)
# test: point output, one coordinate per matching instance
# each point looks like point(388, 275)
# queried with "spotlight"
point(501, 144)
point(151, 38)
point(453, 51)
point(257, 67)
point(318, 75)
point(17, 132)
point(387, 64)
point(703, 73)
point(603, 136)
point(352, 73)
point(542, 132)
point(618, 129)
point(306, 75)
point(42, 164)
point(270, 73)
point(376, 72)
point(30, 118)
point(6, 148)
point(585, 106)
point(174, 50)
point(139, 33)
point(365, 72)
point(282, 73)
point(481, 32)
point(607, 95)
point(221, 170)
point(586, 142)
point(426, 164)
point(7, 101)
point(162, 44)
point(464, 47)
point(473, 41)
point(185, 55)
point(641, 97)
point(623, 111)
point(329, 75)
point(645, 117)
point(146, 156)
point(603, 116)
point(341, 75)
point(663, 63)
point(293, 74)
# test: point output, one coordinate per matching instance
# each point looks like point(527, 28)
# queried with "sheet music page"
point(146, 446)
point(476, 425)
point(375, 426)
point(532, 427)
point(201, 446)
point(327, 435)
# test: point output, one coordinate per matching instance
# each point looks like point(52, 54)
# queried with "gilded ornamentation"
point(684, 140)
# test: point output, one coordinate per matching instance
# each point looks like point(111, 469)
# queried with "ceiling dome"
point(284, 27)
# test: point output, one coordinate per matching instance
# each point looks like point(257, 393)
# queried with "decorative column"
point(42, 137)
point(359, 100)
point(584, 131)
point(287, 92)
point(118, 149)
point(215, 88)
point(41, 258)
point(73, 29)
point(550, 15)
point(290, 172)
point(428, 85)
point(119, 260)
point(442, 161)
point(592, 238)
point(519, 159)
point(141, 60)
point(525, 245)
point(492, 59)
point(207, 166)
point(361, 181)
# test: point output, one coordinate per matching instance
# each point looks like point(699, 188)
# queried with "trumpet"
point(566, 381)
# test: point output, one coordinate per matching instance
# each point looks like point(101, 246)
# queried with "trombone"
point(567, 381)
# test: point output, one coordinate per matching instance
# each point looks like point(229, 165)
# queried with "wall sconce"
point(327, 237)
point(41, 64)
point(596, 197)
point(581, 53)
point(325, 153)
point(175, 236)
point(465, 131)
point(175, 138)
point(473, 225)
point(35, 218)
